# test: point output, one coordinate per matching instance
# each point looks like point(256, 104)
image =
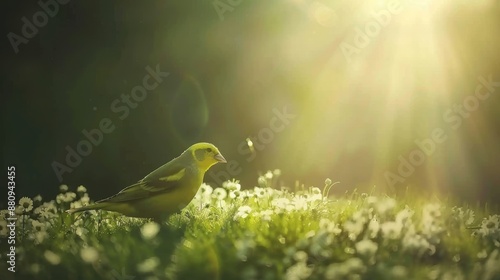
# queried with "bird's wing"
point(171, 168)
point(151, 185)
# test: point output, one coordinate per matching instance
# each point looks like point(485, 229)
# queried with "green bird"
point(166, 190)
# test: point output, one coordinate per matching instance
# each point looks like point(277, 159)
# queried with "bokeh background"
point(359, 92)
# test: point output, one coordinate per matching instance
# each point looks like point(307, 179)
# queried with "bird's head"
point(206, 155)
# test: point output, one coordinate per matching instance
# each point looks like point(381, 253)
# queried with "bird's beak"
point(220, 158)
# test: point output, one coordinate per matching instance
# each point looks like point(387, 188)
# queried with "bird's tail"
point(96, 206)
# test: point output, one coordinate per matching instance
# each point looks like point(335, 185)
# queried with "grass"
point(260, 233)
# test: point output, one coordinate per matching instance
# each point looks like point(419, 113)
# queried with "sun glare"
point(378, 83)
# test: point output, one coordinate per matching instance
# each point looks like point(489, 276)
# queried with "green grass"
point(261, 233)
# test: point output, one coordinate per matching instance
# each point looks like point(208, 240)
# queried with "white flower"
point(385, 205)
point(85, 199)
point(315, 191)
point(222, 204)
point(391, 230)
point(404, 215)
point(266, 214)
point(70, 196)
point(63, 188)
point(373, 227)
point(469, 217)
point(81, 189)
point(357, 223)
point(231, 185)
point(366, 247)
point(282, 204)
point(268, 175)
point(89, 254)
point(65, 197)
point(242, 212)
point(354, 228)
point(205, 190)
point(26, 204)
point(246, 194)
point(149, 230)
point(47, 210)
point(235, 194)
point(148, 265)
point(490, 226)
point(219, 193)
point(361, 215)
point(315, 194)
point(300, 203)
point(204, 195)
point(259, 192)
point(415, 242)
point(329, 226)
point(432, 210)
point(38, 226)
point(75, 204)
point(430, 224)
point(277, 172)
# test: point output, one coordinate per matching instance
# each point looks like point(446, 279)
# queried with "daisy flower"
point(242, 212)
point(26, 203)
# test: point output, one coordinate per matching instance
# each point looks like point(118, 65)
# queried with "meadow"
point(263, 232)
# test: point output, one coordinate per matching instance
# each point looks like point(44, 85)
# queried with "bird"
point(166, 190)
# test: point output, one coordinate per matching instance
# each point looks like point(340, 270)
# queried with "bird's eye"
point(208, 150)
